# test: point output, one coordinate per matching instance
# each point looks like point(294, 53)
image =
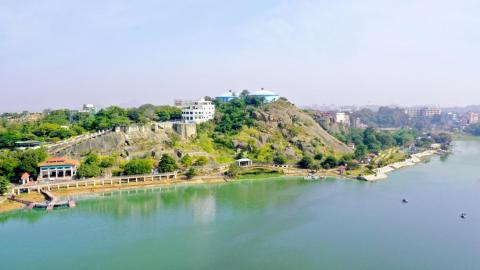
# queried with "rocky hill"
point(298, 128)
point(278, 128)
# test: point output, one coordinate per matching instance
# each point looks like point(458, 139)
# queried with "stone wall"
point(185, 130)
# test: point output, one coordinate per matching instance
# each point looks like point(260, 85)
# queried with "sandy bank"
point(381, 173)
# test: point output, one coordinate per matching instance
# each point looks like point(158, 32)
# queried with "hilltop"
point(241, 128)
point(266, 131)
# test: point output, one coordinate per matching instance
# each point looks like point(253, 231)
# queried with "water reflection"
point(202, 201)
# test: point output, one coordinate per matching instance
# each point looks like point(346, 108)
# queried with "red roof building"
point(58, 169)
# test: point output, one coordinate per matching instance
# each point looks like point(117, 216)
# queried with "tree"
point(111, 117)
point(88, 170)
point(360, 152)
point(345, 159)
point(244, 93)
point(443, 138)
point(473, 129)
point(329, 162)
point(4, 185)
point(138, 166)
point(233, 170)
point(306, 162)
point(107, 162)
point(201, 161)
point(167, 113)
point(280, 159)
point(8, 164)
point(28, 161)
point(8, 139)
point(318, 156)
point(186, 160)
point(191, 172)
point(167, 164)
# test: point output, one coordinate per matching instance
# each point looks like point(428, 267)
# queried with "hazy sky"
point(62, 53)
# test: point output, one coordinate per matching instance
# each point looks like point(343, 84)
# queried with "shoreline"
point(381, 173)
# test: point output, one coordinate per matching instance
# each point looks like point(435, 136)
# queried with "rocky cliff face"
point(297, 128)
point(134, 142)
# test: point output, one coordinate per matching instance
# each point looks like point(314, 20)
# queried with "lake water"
point(266, 224)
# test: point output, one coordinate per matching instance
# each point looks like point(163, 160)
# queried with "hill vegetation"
point(61, 124)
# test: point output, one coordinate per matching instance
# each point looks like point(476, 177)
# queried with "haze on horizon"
point(61, 54)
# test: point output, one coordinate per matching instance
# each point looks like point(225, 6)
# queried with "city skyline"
point(57, 54)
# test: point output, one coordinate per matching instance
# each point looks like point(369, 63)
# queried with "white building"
point(268, 96)
point(472, 118)
point(198, 111)
point(342, 118)
point(226, 97)
point(418, 112)
point(89, 108)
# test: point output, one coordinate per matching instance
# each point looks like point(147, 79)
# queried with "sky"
point(62, 54)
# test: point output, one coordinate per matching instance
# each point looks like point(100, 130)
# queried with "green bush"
point(306, 162)
point(167, 164)
point(191, 172)
point(138, 166)
point(280, 159)
point(329, 162)
point(186, 160)
point(88, 170)
point(201, 161)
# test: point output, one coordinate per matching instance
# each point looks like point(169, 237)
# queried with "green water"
point(271, 224)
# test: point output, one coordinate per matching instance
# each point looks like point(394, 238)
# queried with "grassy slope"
point(279, 127)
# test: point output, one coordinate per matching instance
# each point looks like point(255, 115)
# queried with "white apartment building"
point(342, 118)
point(472, 118)
point(89, 108)
point(427, 112)
point(198, 111)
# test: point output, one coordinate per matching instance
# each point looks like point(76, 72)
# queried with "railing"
point(94, 182)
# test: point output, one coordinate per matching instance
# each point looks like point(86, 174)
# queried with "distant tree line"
point(62, 124)
point(473, 129)
point(387, 117)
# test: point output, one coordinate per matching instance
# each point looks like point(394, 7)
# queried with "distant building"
point(226, 97)
point(31, 144)
point(472, 118)
point(57, 169)
point(357, 123)
point(419, 112)
point(342, 118)
point(268, 96)
point(88, 108)
point(180, 103)
point(198, 111)
point(431, 112)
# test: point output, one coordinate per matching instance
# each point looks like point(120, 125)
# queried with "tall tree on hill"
point(4, 184)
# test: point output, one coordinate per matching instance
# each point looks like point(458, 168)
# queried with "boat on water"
point(311, 177)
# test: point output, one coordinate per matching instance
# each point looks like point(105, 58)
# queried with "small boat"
point(463, 215)
point(313, 177)
point(404, 201)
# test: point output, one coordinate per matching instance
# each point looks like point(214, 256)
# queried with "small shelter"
point(58, 169)
point(244, 162)
point(25, 178)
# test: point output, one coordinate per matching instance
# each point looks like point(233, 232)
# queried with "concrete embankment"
point(381, 173)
